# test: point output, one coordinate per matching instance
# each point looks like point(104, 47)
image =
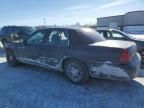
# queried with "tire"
point(11, 59)
point(76, 72)
point(4, 42)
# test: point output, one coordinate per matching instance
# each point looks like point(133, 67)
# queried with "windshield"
point(125, 34)
point(90, 36)
point(135, 35)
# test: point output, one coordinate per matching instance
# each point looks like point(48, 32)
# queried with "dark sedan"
point(78, 52)
point(114, 34)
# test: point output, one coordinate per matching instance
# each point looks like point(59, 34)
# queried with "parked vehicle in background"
point(138, 36)
point(13, 33)
point(114, 34)
point(79, 53)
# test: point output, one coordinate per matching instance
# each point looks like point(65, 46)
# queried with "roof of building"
point(122, 15)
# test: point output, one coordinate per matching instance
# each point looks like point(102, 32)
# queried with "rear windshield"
point(90, 36)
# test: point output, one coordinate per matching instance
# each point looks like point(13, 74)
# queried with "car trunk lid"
point(121, 51)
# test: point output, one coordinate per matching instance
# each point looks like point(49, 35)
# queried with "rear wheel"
point(11, 59)
point(76, 72)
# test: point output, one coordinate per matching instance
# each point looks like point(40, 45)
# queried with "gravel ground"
point(31, 87)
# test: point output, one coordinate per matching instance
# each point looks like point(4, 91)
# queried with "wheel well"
point(70, 59)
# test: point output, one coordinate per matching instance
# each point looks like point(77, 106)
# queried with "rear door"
point(55, 49)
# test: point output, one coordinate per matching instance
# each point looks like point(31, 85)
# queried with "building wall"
point(114, 19)
point(134, 29)
point(134, 18)
point(130, 22)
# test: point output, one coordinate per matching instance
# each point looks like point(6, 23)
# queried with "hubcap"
point(74, 72)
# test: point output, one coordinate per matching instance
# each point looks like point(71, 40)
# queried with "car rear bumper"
point(108, 70)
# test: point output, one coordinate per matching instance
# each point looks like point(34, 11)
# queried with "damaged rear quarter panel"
point(109, 71)
point(100, 64)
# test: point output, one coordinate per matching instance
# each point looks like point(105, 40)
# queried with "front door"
point(29, 51)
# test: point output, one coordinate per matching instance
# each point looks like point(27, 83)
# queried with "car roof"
point(15, 26)
point(106, 29)
point(67, 28)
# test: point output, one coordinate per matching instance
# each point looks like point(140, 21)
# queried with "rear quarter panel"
point(96, 54)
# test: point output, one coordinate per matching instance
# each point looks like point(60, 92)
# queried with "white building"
point(131, 22)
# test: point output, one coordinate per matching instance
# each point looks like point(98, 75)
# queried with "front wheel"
point(76, 72)
point(11, 59)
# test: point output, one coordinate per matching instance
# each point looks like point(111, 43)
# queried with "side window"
point(57, 37)
point(36, 38)
point(108, 35)
point(101, 33)
point(105, 34)
point(118, 36)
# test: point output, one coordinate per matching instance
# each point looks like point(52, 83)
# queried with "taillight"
point(125, 56)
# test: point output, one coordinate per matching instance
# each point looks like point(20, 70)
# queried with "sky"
point(62, 12)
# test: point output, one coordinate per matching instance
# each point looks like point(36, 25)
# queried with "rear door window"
point(105, 34)
point(58, 38)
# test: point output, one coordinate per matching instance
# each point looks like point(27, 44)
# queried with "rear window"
point(90, 36)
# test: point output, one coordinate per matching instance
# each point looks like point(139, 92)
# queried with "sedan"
point(80, 53)
point(113, 34)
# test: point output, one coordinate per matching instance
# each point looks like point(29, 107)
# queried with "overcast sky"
point(62, 12)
